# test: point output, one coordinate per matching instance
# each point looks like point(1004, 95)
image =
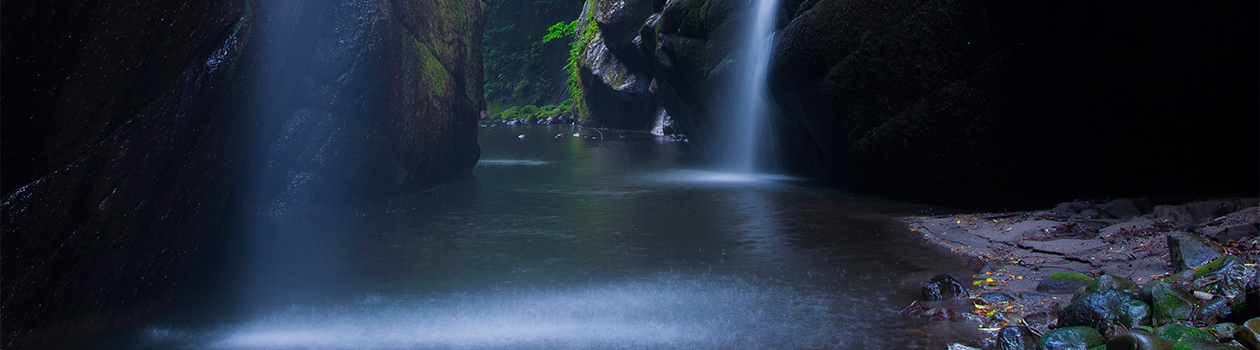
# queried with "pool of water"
point(564, 242)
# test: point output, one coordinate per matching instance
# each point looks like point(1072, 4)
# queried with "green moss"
point(1179, 332)
point(433, 73)
point(1070, 276)
point(1211, 266)
point(586, 34)
point(454, 13)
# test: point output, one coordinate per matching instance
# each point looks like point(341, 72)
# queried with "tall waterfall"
point(748, 135)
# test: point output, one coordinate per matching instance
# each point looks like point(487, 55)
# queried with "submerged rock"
point(942, 287)
point(995, 297)
point(1072, 338)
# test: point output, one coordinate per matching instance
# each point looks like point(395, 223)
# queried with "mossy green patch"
point(1211, 266)
point(1179, 332)
point(586, 34)
point(432, 73)
point(1070, 276)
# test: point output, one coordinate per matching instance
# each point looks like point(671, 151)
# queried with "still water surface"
point(572, 243)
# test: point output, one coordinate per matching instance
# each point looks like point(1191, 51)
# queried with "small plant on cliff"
point(560, 30)
point(583, 36)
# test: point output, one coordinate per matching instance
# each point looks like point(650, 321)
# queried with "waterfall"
point(748, 136)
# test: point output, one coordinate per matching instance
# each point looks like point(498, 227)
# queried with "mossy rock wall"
point(131, 128)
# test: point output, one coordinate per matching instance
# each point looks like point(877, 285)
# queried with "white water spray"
point(748, 136)
point(670, 312)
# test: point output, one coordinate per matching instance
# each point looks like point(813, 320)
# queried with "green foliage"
point(559, 30)
point(532, 112)
point(510, 113)
point(529, 112)
point(521, 66)
point(585, 36)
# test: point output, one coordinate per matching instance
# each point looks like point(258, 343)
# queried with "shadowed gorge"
point(132, 128)
point(608, 174)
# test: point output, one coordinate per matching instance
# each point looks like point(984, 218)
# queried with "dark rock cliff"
point(1001, 103)
point(128, 125)
point(616, 83)
point(373, 99)
point(978, 102)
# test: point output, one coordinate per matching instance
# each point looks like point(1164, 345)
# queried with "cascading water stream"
point(747, 138)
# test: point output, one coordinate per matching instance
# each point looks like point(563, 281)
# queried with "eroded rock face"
point(616, 84)
point(128, 125)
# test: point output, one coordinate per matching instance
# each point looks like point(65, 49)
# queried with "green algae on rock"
point(1063, 282)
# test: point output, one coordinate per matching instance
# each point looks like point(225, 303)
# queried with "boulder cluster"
point(1062, 286)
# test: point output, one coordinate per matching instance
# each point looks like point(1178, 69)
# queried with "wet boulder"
point(1104, 308)
point(942, 287)
point(1015, 338)
point(1218, 308)
point(1108, 282)
point(1072, 338)
point(1228, 275)
point(1063, 282)
point(1223, 330)
point(1139, 340)
point(1169, 302)
point(1189, 251)
point(1248, 333)
point(616, 92)
point(1179, 332)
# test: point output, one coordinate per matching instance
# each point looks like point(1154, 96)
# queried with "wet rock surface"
point(1071, 338)
point(1015, 338)
point(124, 128)
point(1105, 308)
point(1128, 290)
